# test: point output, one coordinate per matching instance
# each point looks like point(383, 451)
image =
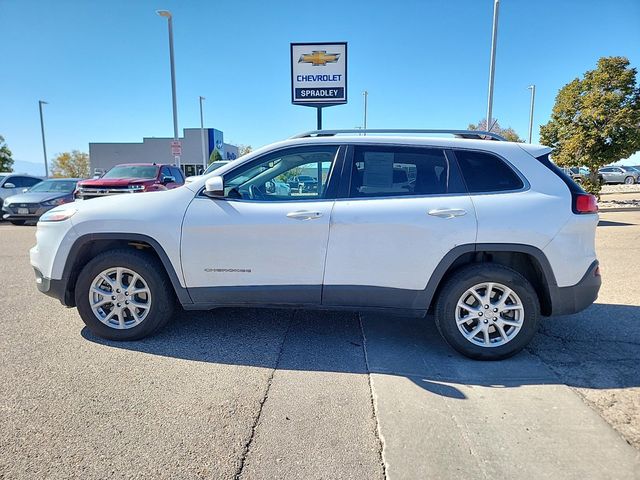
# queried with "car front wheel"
point(124, 295)
point(629, 180)
point(487, 311)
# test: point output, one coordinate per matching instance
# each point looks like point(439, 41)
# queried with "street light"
point(204, 155)
point(366, 95)
point(533, 99)
point(169, 17)
point(44, 145)
point(492, 66)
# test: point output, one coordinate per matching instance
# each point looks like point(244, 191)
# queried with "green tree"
point(289, 174)
point(508, 133)
point(215, 156)
point(6, 162)
point(73, 164)
point(596, 120)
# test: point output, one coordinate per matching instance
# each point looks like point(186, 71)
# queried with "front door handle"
point(304, 215)
point(447, 212)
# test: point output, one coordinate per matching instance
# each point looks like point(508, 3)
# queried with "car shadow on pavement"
point(579, 350)
point(611, 223)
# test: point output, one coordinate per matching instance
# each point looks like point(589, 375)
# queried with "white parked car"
point(489, 235)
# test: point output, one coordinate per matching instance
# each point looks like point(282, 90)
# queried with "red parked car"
point(131, 178)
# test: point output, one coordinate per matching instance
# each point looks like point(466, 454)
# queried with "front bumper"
point(573, 299)
point(11, 212)
point(53, 288)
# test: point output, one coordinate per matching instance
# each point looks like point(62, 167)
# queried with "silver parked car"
point(13, 183)
point(618, 174)
point(30, 205)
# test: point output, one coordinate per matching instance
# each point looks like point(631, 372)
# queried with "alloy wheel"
point(120, 298)
point(489, 314)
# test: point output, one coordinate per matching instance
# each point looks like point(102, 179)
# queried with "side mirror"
point(8, 185)
point(25, 190)
point(214, 187)
point(168, 179)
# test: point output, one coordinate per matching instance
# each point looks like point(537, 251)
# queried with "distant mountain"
point(30, 168)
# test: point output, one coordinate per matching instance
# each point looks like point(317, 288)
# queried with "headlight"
point(55, 202)
point(58, 215)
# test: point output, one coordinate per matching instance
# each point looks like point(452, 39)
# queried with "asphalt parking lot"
point(247, 393)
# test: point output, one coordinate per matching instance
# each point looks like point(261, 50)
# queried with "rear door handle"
point(447, 212)
point(304, 215)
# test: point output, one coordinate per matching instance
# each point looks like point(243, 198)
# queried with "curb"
point(636, 192)
point(621, 209)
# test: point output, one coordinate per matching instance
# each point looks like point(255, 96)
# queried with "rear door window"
point(484, 172)
point(383, 171)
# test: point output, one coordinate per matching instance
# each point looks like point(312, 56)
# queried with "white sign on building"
point(319, 74)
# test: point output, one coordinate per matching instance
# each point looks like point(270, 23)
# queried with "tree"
point(6, 162)
point(289, 174)
point(508, 133)
point(73, 164)
point(244, 149)
point(596, 120)
point(215, 156)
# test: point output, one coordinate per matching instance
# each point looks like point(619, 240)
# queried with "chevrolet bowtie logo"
point(319, 58)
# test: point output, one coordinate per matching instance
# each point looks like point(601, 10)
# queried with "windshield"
point(214, 166)
point(132, 171)
point(62, 186)
point(629, 169)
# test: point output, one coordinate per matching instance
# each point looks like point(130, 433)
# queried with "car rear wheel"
point(124, 295)
point(487, 311)
point(629, 180)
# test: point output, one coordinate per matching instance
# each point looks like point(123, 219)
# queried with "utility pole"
point(492, 67)
point(204, 154)
point(169, 17)
point(533, 100)
point(44, 144)
point(365, 94)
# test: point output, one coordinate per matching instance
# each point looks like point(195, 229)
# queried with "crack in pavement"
point(247, 447)
point(379, 437)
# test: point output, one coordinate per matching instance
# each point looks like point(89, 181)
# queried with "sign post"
point(176, 149)
point(319, 75)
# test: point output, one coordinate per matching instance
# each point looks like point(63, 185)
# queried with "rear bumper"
point(573, 299)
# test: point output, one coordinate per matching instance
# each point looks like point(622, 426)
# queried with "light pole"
point(533, 99)
point(365, 94)
point(204, 155)
point(44, 145)
point(169, 17)
point(492, 67)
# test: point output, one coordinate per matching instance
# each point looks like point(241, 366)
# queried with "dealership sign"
point(319, 74)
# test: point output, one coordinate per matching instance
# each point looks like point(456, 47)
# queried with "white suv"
point(489, 235)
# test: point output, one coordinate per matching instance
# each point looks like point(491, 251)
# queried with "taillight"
point(585, 203)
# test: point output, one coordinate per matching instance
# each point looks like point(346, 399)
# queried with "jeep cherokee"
point(488, 235)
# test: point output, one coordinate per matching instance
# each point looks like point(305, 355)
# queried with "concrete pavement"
point(254, 393)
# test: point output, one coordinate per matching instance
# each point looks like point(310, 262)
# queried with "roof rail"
point(471, 134)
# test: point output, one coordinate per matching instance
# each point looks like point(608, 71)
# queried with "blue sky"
point(104, 69)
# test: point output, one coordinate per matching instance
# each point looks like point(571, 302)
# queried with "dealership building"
point(103, 156)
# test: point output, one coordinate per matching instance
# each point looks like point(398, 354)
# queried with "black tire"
point(629, 180)
point(151, 270)
point(465, 278)
point(17, 222)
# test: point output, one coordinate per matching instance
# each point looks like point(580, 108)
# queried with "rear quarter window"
point(484, 172)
